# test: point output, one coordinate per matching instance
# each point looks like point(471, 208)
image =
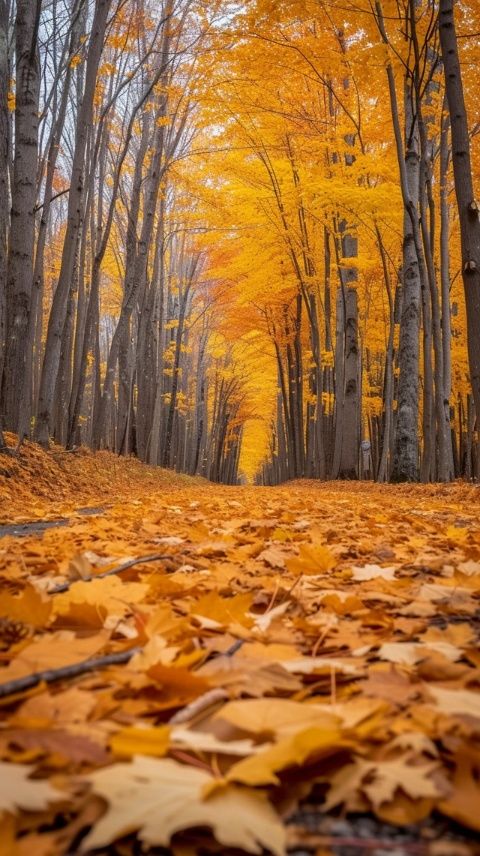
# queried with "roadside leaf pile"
point(308, 643)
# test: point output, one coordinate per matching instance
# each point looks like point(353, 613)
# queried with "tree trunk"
point(405, 462)
point(24, 191)
point(446, 322)
point(348, 468)
point(4, 201)
point(60, 301)
point(468, 208)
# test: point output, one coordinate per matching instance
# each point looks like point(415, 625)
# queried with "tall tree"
point(58, 313)
point(468, 207)
point(4, 189)
point(24, 194)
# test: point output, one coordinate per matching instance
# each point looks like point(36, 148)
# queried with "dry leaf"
point(312, 559)
point(159, 797)
point(18, 790)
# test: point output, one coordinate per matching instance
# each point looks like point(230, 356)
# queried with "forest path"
point(296, 643)
point(21, 530)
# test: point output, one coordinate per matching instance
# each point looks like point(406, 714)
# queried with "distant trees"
point(104, 312)
point(372, 158)
point(227, 238)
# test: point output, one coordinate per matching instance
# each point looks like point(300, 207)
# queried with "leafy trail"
point(304, 643)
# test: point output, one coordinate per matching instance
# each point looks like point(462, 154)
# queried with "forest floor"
point(191, 668)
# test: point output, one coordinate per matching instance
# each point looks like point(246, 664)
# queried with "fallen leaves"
point(158, 798)
point(456, 702)
point(62, 648)
point(380, 780)
point(275, 718)
point(136, 740)
point(312, 559)
point(19, 790)
point(307, 744)
point(289, 644)
point(372, 572)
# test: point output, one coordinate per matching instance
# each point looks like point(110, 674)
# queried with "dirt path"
point(21, 530)
point(304, 645)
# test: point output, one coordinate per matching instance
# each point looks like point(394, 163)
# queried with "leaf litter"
point(308, 644)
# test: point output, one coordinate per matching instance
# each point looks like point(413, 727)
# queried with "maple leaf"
point(372, 572)
point(30, 607)
point(292, 751)
point(138, 740)
point(224, 611)
point(456, 702)
point(159, 797)
point(384, 777)
point(410, 653)
point(51, 652)
point(18, 790)
point(275, 717)
point(64, 708)
point(312, 559)
point(380, 780)
point(273, 557)
point(109, 594)
point(391, 685)
point(59, 743)
point(462, 804)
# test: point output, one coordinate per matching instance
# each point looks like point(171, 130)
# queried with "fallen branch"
point(50, 676)
point(157, 557)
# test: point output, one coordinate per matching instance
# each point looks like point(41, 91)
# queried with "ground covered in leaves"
point(202, 669)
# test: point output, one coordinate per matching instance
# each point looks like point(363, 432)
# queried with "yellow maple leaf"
point(312, 559)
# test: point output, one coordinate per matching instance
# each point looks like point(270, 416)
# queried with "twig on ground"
point(156, 557)
point(200, 705)
point(273, 597)
point(235, 647)
point(50, 676)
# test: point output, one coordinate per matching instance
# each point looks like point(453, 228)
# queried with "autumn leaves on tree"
point(232, 238)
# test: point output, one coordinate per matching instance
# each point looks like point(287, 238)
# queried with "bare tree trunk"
point(339, 375)
point(60, 300)
point(167, 452)
point(384, 464)
point(33, 339)
point(4, 186)
point(467, 206)
point(405, 462)
point(135, 281)
point(24, 190)
point(348, 468)
point(154, 442)
point(345, 459)
point(446, 322)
